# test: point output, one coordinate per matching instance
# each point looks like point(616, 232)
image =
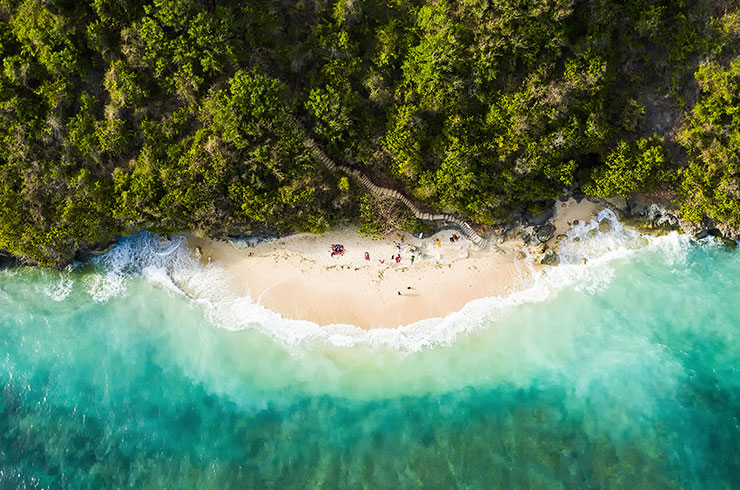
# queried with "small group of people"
point(337, 249)
point(454, 238)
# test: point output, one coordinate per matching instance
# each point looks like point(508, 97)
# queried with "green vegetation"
point(630, 168)
point(711, 183)
point(118, 115)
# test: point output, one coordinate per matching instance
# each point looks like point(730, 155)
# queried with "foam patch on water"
point(58, 291)
point(169, 264)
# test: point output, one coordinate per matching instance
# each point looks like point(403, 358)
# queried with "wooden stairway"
point(319, 154)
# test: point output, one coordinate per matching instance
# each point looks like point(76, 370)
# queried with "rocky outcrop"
point(654, 215)
point(728, 237)
point(659, 218)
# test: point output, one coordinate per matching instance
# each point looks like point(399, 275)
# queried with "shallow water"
point(618, 374)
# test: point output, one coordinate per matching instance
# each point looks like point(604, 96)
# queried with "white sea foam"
point(60, 290)
point(169, 264)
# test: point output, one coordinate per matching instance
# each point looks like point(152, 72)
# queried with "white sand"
point(297, 277)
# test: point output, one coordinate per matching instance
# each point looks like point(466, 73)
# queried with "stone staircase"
point(319, 154)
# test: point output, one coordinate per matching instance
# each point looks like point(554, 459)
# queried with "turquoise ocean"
point(137, 369)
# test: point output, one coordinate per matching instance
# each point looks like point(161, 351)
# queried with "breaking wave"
point(588, 257)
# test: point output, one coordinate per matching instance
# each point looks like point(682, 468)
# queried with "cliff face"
point(179, 115)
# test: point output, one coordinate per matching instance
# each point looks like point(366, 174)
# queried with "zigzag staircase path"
point(319, 154)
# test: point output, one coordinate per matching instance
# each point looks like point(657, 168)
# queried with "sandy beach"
point(298, 277)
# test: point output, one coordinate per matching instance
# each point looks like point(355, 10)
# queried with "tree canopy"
point(169, 115)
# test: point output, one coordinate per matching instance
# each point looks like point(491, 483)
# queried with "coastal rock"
point(605, 226)
point(550, 258)
point(529, 236)
point(245, 241)
point(520, 255)
point(198, 253)
point(708, 228)
point(545, 232)
point(541, 218)
point(661, 217)
point(619, 204)
point(729, 232)
point(100, 251)
point(650, 216)
point(7, 260)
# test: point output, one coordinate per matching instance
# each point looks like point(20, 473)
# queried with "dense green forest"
point(170, 115)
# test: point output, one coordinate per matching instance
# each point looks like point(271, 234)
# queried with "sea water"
point(137, 369)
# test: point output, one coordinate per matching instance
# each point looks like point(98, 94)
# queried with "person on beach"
point(438, 244)
point(398, 258)
point(412, 260)
point(367, 256)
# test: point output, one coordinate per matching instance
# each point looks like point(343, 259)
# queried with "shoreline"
point(297, 277)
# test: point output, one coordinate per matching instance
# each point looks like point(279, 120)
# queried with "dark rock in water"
point(714, 232)
point(576, 239)
point(100, 251)
point(561, 237)
point(727, 242)
point(546, 232)
point(605, 226)
point(550, 258)
point(7, 260)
